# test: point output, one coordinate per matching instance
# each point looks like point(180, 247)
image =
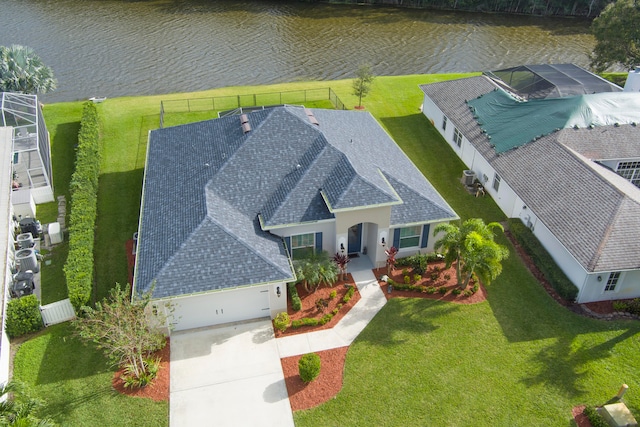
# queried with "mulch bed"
point(580, 418)
point(158, 390)
point(449, 282)
point(320, 390)
point(309, 308)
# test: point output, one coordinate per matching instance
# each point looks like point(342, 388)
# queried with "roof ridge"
point(411, 188)
point(237, 237)
point(304, 173)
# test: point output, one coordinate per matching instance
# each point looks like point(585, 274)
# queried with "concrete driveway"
point(228, 376)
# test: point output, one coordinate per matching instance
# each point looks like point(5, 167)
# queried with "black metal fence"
point(221, 103)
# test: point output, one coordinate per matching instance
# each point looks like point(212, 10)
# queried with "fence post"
point(239, 102)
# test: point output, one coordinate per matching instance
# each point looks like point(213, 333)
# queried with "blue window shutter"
point(287, 241)
point(319, 242)
point(396, 238)
point(425, 236)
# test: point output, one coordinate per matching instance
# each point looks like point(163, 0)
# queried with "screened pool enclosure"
point(31, 153)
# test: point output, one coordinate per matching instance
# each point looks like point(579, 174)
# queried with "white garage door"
point(220, 307)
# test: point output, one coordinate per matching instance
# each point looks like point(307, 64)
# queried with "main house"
point(227, 204)
point(559, 148)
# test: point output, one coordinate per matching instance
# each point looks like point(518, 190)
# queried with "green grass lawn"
point(74, 383)
point(517, 359)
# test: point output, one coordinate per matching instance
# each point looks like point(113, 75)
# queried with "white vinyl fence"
point(57, 312)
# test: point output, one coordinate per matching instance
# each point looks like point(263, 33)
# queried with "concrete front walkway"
point(228, 376)
point(341, 335)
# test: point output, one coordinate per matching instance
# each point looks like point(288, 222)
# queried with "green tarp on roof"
point(510, 123)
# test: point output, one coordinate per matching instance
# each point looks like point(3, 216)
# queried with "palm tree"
point(21, 70)
point(315, 269)
point(472, 248)
point(13, 413)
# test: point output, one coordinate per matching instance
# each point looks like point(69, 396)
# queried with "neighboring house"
point(227, 204)
point(25, 179)
point(559, 148)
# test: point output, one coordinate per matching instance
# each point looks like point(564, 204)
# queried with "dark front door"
point(355, 238)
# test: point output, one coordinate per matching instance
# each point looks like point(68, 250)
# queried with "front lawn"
point(74, 383)
point(518, 359)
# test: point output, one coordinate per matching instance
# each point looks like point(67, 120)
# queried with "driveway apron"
point(228, 376)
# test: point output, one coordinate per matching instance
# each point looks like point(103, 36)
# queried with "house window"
point(444, 123)
point(496, 182)
point(410, 236)
point(630, 171)
point(457, 137)
point(302, 245)
point(612, 281)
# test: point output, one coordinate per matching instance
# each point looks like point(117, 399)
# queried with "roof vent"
point(246, 128)
point(244, 118)
point(311, 117)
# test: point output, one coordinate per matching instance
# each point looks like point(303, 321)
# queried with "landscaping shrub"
point(467, 292)
point(417, 277)
point(296, 302)
point(407, 279)
point(321, 304)
point(595, 418)
point(456, 291)
point(333, 294)
point(633, 306)
point(431, 290)
point(418, 262)
point(442, 290)
point(281, 322)
point(541, 258)
point(619, 306)
point(309, 367)
point(349, 294)
point(79, 267)
point(23, 316)
point(305, 321)
point(326, 318)
point(133, 380)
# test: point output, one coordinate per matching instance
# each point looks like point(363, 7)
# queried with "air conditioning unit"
point(468, 177)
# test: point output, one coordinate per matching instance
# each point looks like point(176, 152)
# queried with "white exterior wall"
point(42, 194)
point(327, 228)
point(626, 288)
point(375, 225)
point(6, 243)
point(23, 203)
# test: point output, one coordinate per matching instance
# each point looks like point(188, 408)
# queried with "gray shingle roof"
point(207, 184)
point(579, 201)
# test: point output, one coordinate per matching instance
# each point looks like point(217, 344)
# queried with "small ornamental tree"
point(309, 367)
point(391, 258)
point(341, 261)
point(362, 82)
point(120, 327)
